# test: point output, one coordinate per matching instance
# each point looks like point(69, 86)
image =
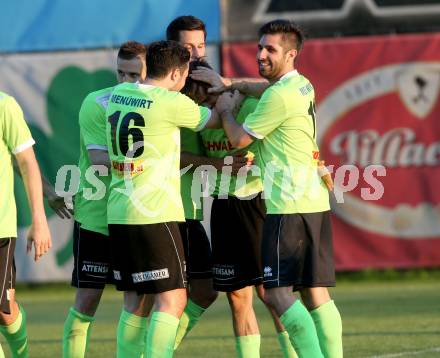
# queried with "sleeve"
point(16, 133)
point(190, 115)
point(247, 107)
point(92, 124)
point(268, 115)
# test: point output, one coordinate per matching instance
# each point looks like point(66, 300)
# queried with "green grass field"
point(381, 319)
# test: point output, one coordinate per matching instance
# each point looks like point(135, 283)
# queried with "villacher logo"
point(400, 137)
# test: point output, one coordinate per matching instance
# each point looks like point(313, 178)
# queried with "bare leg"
point(243, 315)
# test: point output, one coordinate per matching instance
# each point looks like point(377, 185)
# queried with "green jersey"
point(217, 145)
point(192, 203)
point(285, 122)
point(15, 138)
point(91, 200)
point(143, 137)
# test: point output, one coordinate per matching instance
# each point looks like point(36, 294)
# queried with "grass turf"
point(389, 319)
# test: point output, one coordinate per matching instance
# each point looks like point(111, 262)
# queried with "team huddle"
point(171, 131)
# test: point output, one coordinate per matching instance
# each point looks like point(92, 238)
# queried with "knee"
point(202, 292)
point(139, 305)
point(269, 298)
point(171, 301)
point(8, 318)
point(146, 305)
point(314, 297)
point(211, 296)
point(241, 299)
point(203, 298)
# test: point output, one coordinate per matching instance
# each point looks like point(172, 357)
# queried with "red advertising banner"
point(378, 115)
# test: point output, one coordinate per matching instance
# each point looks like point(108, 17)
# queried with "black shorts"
point(7, 271)
point(236, 232)
point(298, 251)
point(197, 248)
point(148, 258)
point(91, 259)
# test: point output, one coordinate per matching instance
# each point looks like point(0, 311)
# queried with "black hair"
point(292, 35)
point(196, 90)
point(184, 23)
point(164, 56)
point(132, 49)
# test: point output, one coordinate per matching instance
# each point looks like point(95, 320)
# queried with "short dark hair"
point(164, 56)
point(196, 90)
point(132, 49)
point(184, 23)
point(292, 35)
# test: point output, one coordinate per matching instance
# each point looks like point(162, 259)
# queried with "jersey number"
point(124, 132)
point(312, 112)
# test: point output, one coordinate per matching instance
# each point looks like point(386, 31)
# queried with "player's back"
point(297, 132)
point(285, 120)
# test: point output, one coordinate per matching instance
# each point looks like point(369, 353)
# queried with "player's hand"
point(325, 175)
point(217, 82)
point(226, 101)
point(39, 236)
point(238, 99)
point(58, 205)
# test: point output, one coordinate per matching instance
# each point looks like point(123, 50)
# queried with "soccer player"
point(16, 140)
point(92, 249)
point(238, 202)
point(144, 205)
point(297, 249)
point(190, 32)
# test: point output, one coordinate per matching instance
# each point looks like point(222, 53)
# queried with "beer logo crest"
point(418, 87)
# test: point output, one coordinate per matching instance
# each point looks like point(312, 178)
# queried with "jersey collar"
point(289, 74)
point(144, 86)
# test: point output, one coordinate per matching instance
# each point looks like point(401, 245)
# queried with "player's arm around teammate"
point(190, 32)
point(143, 142)
point(16, 140)
point(279, 122)
point(237, 201)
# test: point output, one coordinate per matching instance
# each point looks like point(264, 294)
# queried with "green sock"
point(131, 335)
point(248, 346)
point(16, 335)
point(286, 346)
point(329, 328)
point(189, 319)
point(161, 335)
point(302, 331)
point(76, 334)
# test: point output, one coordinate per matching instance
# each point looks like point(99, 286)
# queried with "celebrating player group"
point(170, 133)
